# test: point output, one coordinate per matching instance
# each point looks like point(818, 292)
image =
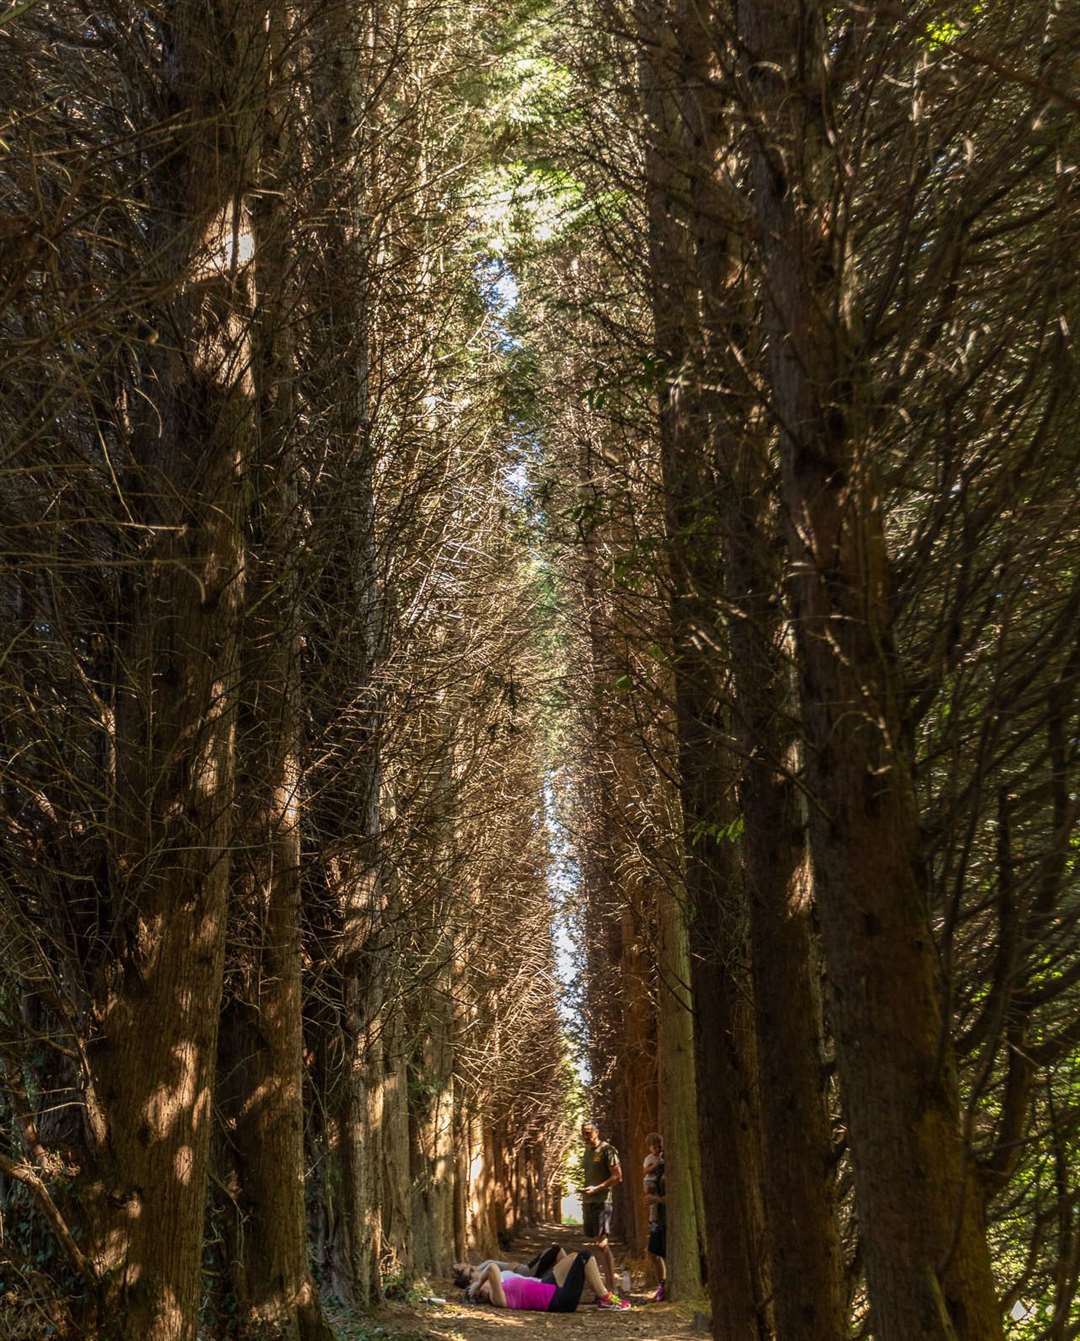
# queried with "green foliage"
point(633, 568)
point(943, 32)
point(519, 85)
point(705, 831)
point(532, 90)
point(644, 371)
point(404, 1289)
point(586, 514)
point(523, 203)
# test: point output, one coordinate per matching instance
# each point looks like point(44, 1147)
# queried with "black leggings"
point(567, 1296)
point(542, 1263)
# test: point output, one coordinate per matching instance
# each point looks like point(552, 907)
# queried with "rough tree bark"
point(726, 1087)
point(799, 1183)
point(799, 1165)
point(686, 1235)
point(261, 1070)
point(729, 1116)
point(802, 1229)
point(351, 1064)
point(157, 1001)
point(396, 1209)
point(927, 1264)
point(640, 1057)
point(431, 1077)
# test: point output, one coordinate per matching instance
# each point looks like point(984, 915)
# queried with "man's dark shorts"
point(658, 1240)
point(597, 1219)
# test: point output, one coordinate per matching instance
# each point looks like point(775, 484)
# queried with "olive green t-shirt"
point(598, 1165)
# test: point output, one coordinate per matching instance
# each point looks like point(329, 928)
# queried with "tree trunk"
point(728, 1121)
point(348, 1199)
point(349, 651)
point(431, 1085)
point(261, 1087)
point(639, 1068)
point(801, 1213)
point(803, 1233)
point(262, 1094)
point(260, 1067)
point(157, 1003)
point(725, 1084)
point(686, 1236)
point(396, 1207)
point(927, 1264)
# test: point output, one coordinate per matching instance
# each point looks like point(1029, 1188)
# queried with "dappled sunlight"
point(171, 1102)
point(540, 582)
point(184, 1163)
point(228, 245)
point(458, 1321)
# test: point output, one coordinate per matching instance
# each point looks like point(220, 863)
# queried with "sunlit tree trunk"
point(686, 1235)
point(640, 1064)
point(461, 1184)
point(157, 1001)
point(396, 1180)
point(431, 1078)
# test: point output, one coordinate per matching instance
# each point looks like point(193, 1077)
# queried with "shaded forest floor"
point(454, 1321)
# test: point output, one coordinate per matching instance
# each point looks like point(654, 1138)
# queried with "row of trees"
point(277, 996)
point(802, 307)
point(738, 535)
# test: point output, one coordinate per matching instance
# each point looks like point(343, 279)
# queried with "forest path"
point(453, 1321)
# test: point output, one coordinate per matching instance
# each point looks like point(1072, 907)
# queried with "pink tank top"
point(525, 1292)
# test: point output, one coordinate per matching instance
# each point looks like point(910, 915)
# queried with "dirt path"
point(454, 1321)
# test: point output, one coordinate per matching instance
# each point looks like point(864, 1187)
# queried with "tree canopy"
point(541, 574)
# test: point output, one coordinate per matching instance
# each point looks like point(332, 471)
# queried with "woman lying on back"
point(544, 1260)
point(558, 1290)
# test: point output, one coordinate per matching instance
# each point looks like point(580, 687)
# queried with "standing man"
point(602, 1172)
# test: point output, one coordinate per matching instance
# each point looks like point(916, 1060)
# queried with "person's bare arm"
point(489, 1286)
point(498, 1294)
point(615, 1176)
point(480, 1289)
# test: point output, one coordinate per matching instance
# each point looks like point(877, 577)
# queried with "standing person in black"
point(602, 1172)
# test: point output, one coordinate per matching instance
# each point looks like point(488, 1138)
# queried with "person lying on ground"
point(535, 1266)
point(559, 1290)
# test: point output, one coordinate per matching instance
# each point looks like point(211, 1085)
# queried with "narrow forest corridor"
point(458, 1321)
point(539, 668)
